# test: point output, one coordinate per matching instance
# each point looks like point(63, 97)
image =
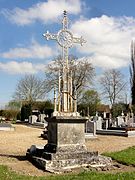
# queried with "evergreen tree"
point(26, 111)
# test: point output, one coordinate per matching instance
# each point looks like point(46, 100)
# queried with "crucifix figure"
point(66, 101)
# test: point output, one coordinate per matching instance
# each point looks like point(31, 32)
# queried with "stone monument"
point(66, 128)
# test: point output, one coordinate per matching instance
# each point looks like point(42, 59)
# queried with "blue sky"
point(107, 25)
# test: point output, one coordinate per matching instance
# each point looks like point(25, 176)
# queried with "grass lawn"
point(6, 174)
point(126, 156)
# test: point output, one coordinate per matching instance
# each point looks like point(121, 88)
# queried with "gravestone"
point(33, 119)
point(6, 127)
point(99, 123)
point(90, 127)
point(41, 118)
point(66, 147)
point(120, 121)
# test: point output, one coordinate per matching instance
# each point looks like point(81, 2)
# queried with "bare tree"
point(113, 85)
point(29, 88)
point(132, 72)
point(82, 73)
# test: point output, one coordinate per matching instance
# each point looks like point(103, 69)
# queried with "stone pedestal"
point(65, 148)
point(67, 133)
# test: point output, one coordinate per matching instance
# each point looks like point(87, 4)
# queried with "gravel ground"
point(14, 144)
point(109, 143)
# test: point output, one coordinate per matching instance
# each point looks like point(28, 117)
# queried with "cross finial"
point(65, 39)
point(65, 13)
point(65, 20)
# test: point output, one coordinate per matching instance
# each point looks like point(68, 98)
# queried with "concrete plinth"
point(65, 148)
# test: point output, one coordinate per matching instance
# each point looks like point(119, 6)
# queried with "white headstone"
point(41, 118)
point(99, 123)
point(32, 119)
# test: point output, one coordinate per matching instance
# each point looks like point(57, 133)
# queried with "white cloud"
point(14, 67)
point(45, 11)
point(108, 40)
point(35, 50)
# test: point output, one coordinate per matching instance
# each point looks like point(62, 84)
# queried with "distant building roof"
point(103, 108)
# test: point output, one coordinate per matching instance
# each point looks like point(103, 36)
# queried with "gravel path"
point(14, 144)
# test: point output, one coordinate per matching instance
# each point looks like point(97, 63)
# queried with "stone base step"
point(59, 161)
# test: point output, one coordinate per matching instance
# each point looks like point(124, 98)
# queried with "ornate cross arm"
point(49, 36)
point(79, 40)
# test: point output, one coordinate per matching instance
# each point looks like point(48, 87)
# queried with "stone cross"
point(66, 40)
